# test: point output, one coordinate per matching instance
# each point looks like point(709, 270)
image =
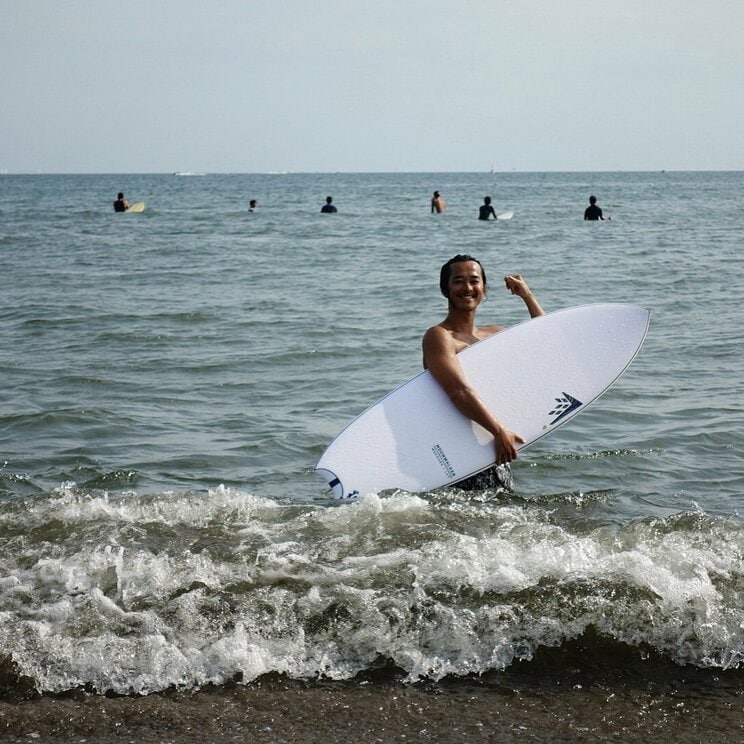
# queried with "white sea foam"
point(325, 591)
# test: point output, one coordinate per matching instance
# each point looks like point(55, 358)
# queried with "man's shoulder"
point(436, 330)
point(437, 334)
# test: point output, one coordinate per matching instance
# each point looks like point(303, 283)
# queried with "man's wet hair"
point(446, 270)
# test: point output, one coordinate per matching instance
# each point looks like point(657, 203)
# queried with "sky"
point(252, 86)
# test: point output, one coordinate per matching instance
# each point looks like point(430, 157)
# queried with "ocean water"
point(170, 378)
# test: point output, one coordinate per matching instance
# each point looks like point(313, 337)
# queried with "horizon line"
point(199, 174)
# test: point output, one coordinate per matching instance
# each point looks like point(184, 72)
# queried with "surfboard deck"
point(535, 377)
point(505, 215)
point(136, 207)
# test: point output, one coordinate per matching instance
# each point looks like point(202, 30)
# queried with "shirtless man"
point(438, 204)
point(463, 282)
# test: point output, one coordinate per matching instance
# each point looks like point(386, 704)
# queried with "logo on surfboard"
point(565, 405)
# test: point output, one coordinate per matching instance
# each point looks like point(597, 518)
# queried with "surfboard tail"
point(334, 483)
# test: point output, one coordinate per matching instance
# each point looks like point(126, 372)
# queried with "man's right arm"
point(441, 360)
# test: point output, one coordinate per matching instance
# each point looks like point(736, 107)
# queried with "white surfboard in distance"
point(136, 207)
point(505, 215)
point(535, 377)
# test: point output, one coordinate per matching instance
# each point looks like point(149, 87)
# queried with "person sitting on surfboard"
point(121, 204)
point(462, 281)
point(486, 210)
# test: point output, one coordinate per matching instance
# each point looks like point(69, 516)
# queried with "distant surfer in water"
point(121, 204)
point(462, 281)
point(593, 212)
point(486, 210)
point(438, 204)
point(328, 207)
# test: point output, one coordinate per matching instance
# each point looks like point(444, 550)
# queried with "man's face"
point(466, 288)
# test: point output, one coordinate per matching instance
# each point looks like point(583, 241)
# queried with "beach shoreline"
point(571, 693)
point(380, 713)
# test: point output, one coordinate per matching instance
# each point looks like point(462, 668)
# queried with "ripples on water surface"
point(170, 379)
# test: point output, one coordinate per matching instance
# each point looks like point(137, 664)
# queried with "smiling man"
point(462, 281)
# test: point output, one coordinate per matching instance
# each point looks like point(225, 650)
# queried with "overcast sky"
point(92, 86)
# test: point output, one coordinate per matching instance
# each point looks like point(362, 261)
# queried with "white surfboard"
point(137, 207)
point(505, 215)
point(535, 377)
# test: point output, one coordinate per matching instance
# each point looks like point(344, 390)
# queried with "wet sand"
point(565, 694)
point(381, 714)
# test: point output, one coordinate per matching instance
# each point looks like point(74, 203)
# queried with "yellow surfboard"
point(137, 207)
